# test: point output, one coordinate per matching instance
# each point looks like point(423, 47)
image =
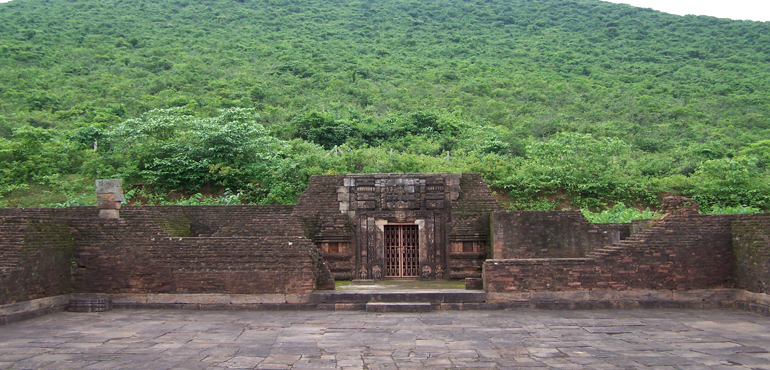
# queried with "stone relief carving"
point(363, 273)
point(376, 272)
point(440, 272)
point(426, 271)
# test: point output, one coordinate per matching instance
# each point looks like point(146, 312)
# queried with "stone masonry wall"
point(35, 260)
point(547, 234)
point(751, 244)
point(47, 252)
point(208, 220)
point(134, 254)
point(680, 252)
point(198, 265)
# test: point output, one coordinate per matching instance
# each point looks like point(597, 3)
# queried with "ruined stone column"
point(109, 196)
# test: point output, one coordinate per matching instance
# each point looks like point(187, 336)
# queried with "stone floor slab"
point(608, 339)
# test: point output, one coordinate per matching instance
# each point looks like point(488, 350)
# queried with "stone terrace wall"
point(35, 259)
point(199, 265)
point(680, 252)
point(47, 252)
point(751, 244)
point(549, 234)
point(134, 254)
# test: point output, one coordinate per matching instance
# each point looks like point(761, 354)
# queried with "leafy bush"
point(590, 170)
point(619, 213)
point(728, 210)
point(322, 129)
point(731, 182)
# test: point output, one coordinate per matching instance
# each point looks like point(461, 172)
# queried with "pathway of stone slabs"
point(178, 339)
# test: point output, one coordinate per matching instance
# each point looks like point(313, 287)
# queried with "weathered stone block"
point(257, 298)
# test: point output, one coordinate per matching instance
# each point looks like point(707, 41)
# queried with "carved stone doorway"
point(402, 251)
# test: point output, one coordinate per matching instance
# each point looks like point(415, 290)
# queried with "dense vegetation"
point(557, 103)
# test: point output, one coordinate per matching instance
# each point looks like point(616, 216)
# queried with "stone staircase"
point(406, 300)
point(631, 241)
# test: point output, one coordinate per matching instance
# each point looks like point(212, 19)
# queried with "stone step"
point(398, 307)
point(403, 296)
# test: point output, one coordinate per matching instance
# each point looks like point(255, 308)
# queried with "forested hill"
point(556, 102)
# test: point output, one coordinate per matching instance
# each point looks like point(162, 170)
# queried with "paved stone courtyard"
point(176, 339)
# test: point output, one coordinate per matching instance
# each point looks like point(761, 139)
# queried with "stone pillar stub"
point(109, 196)
point(453, 182)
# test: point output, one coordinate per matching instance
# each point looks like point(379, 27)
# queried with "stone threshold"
point(758, 303)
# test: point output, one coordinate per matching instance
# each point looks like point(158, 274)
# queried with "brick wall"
point(134, 254)
point(244, 265)
point(548, 234)
point(35, 261)
point(45, 252)
point(751, 245)
point(680, 252)
point(208, 220)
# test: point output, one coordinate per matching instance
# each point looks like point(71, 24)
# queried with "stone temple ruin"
point(372, 227)
point(376, 226)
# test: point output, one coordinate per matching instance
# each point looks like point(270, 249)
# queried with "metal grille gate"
point(402, 254)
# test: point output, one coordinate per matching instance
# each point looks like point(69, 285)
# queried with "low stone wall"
point(548, 234)
point(635, 299)
point(679, 253)
point(758, 303)
point(25, 310)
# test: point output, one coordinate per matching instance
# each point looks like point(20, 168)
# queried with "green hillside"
point(557, 103)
